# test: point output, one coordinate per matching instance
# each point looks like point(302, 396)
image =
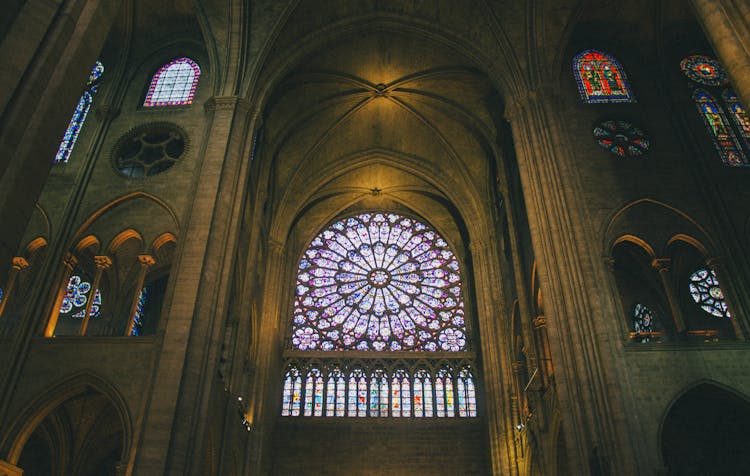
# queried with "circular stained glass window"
point(621, 138)
point(705, 290)
point(643, 319)
point(704, 70)
point(379, 281)
point(149, 150)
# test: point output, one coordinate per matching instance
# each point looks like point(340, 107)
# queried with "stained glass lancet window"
point(79, 115)
point(601, 78)
point(739, 116)
point(174, 84)
point(724, 139)
point(706, 292)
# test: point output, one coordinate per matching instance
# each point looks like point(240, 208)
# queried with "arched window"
point(174, 84)
point(601, 78)
point(705, 291)
point(710, 74)
point(79, 115)
point(739, 115)
point(387, 284)
point(724, 139)
point(292, 390)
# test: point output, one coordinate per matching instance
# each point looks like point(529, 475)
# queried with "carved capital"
point(517, 367)
point(102, 262)
point(661, 264)
point(70, 261)
point(146, 260)
point(20, 263)
point(226, 103)
point(7, 469)
point(539, 322)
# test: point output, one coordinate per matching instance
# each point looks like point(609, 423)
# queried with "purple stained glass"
point(379, 282)
point(79, 115)
point(174, 84)
point(76, 296)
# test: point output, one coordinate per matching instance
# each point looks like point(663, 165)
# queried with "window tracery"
point(174, 84)
point(601, 78)
point(706, 292)
point(389, 286)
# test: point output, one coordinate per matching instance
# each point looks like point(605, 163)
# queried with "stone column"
point(46, 88)
point(175, 422)
point(725, 284)
point(102, 263)
point(582, 342)
point(69, 264)
point(7, 469)
point(146, 261)
point(726, 23)
point(19, 264)
point(545, 357)
point(662, 266)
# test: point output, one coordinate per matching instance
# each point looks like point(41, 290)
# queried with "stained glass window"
point(379, 281)
point(336, 393)
point(704, 70)
point(739, 116)
point(174, 84)
point(79, 115)
point(467, 398)
point(292, 392)
point(600, 78)
point(140, 312)
point(643, 320)
point(314, 393)
point(724, 139)
point(383, 283)
point(621, 138)
point(76, 297)
point(378, 394)
point(706, 292)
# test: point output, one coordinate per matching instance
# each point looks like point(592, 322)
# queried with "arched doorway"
point(705, 432)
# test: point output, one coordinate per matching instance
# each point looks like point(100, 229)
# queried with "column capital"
point(7, 469)
point(20, 263)
point(520, 101)
point(517, 366)
point(70, 261)
point(661, 264)
point(102, 262)
point(539, 322)
point(146, 260)
point(226, 103)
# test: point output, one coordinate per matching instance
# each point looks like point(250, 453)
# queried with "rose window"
point(379, 281)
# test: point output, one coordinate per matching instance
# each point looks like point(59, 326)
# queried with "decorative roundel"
point(149, 150)
point(379, 281)
point(704, 70)
point(621, 138)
